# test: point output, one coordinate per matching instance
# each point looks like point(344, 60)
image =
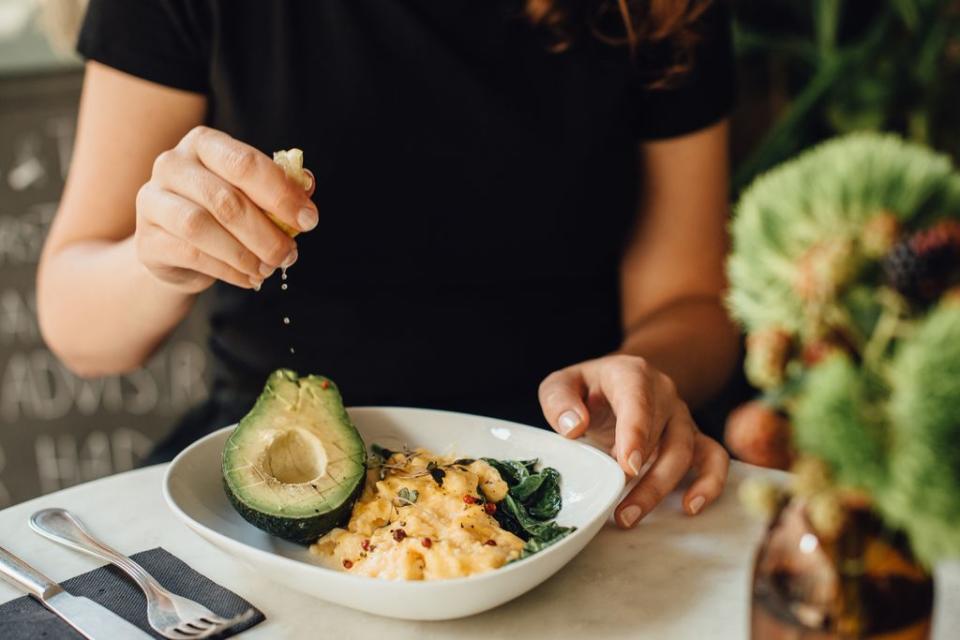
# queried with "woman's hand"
point(633, 409)
point(201, 216)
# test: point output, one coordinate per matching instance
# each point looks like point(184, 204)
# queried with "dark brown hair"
point(668, 25)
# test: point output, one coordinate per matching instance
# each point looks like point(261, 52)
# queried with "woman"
point(515, 210)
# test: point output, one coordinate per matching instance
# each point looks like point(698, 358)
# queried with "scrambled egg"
point(423, 517)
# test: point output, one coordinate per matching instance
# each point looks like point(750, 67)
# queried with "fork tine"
point(196, 625)
point(215, 624)
point(212, 631)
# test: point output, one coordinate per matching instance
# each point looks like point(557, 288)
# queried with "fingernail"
point(635, 461)
point(256, 284)
point(568, 421)
point(266, 270)
point(290, 259)
point(696, 504)
point(307, 219)
point(630, 515)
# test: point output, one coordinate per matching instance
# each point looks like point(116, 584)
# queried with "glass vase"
point(859, 582)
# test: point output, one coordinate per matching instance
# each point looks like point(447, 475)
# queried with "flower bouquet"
point(845, 273)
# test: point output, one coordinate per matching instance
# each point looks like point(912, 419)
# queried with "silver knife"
point(90, 619)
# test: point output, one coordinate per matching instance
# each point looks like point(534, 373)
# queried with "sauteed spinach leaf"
point(532, 501)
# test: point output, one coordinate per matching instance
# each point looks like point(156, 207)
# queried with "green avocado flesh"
point(295, 464)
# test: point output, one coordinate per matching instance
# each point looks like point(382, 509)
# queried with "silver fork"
point(170, 615)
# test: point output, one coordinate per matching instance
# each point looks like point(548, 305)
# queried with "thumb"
point(561, 398)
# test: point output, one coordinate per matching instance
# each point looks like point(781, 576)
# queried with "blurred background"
point(808, 69)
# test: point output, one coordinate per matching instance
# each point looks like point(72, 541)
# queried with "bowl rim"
point(204, 530)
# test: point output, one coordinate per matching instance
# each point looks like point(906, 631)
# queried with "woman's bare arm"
point(673, 270)
point(156, 208)
point(100, 310)
point(679, 346)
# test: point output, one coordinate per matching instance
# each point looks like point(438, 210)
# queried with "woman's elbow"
point(80, 359)
point(66, 334)
point(85, 366)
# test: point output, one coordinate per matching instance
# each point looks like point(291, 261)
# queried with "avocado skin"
point(304, 529)
point(300, 530)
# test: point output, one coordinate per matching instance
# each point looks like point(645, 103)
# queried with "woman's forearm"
point(692, 340)
point(99, 308)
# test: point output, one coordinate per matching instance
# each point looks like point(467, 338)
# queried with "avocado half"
point(295, 464)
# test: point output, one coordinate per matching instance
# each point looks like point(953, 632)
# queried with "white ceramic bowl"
point(591, 483)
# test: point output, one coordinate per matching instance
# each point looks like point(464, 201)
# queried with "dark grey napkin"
point(26, 619)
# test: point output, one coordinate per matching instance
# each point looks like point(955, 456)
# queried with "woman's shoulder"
point(702, 93)
point(163, 41)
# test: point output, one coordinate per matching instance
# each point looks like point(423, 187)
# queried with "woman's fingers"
point(196, 227)
point(642, 405)
point(175, 259)
point(210, 195)
point(233, 211)
point(711, 463)
point(640, 398)
point(652, 427)
point(561, 398)
point(669, 468)
point(253, 173)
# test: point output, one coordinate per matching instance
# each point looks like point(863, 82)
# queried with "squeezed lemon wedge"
point(291, 161)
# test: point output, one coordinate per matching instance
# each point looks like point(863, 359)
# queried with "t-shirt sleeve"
point(705, 94)
point(163, 41)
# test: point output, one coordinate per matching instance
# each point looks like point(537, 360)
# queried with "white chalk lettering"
point(35, 385)
point(56, 462)
point(27, 170)
point(96, 394)
point(94, 458)
point(129, 448)
point(63, 461)
point(18, 319)
point(188, 384)
point(21, 236)
point(146, 392)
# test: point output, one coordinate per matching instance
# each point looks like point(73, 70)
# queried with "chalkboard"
point(57, 430)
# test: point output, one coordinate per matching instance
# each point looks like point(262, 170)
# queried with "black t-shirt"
point(475, 189)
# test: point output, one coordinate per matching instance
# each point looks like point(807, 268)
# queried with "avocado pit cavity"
point(294, 456)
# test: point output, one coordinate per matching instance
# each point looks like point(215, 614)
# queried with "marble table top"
point(673, 577)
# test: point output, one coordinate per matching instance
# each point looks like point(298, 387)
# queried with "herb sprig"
point(435, 471)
